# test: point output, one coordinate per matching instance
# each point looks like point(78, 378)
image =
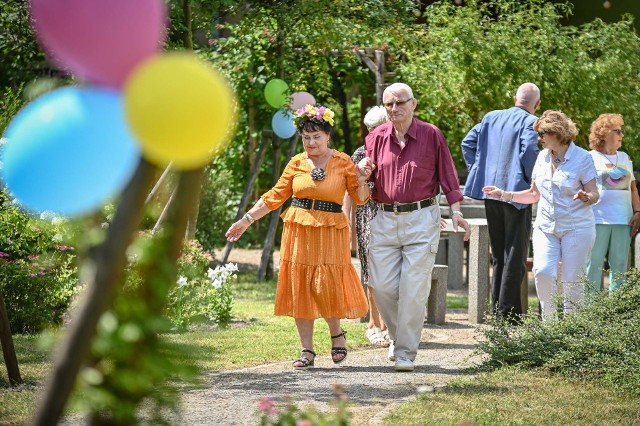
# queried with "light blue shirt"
point(501, 151)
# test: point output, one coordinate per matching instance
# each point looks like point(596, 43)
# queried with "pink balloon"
point(300, 99)
point(100, 40)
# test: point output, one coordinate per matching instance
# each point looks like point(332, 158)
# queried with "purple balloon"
point(100, 41)
point(300, 99)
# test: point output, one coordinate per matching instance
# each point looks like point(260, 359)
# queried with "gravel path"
point(373, 388)
point(370, 383)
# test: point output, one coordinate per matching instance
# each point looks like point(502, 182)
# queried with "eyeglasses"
point(389, 105)
point(618, 131)
point(541, 134)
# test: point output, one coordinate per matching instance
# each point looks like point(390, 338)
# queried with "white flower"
point(182, 281)
point(217, 284)
point(104, 225)
point(211, 273)
point(231, 267)
point(58, 220)
point(57, 238)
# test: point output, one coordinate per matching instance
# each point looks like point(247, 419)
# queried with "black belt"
point(407, 207)
point(310, 204)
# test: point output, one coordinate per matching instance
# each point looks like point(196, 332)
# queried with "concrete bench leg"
point(437, 302)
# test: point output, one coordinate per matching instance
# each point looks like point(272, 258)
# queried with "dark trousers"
point(509, 236)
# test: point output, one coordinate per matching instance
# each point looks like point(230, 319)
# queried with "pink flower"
point(3, 254)
point(267, 406)
point(305, 422)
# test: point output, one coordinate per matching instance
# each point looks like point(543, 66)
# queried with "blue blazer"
point(501, 151)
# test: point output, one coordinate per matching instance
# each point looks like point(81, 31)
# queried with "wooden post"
point(267, 251)
point(266, 136)
point(8, 350)
point(103, 273)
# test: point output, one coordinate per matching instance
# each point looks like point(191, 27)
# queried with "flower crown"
point(313, 113)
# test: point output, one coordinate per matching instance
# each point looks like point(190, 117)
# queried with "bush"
point(37, 291)
point(203, 298)
point(599, 342)
point(37, 272)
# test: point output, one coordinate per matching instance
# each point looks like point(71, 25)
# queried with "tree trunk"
point(267, 251)
point(187, 34)
point(266, 135)
point(8, 350)
point(341, 96)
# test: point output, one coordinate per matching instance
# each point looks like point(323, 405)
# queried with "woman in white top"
point(564, 185)
point(617, 213)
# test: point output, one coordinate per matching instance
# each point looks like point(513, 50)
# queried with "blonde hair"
point(375, 117)
point(601, 128)
point(558, 123)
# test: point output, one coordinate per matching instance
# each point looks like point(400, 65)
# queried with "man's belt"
point(310, 204)
point(407, 207)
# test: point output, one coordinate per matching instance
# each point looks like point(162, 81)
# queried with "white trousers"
point(573, 249)
point(402, 252)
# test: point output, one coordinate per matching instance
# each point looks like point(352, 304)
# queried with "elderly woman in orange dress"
point(316, 278)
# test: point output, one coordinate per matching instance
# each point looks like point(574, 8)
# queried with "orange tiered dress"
point(317, 278)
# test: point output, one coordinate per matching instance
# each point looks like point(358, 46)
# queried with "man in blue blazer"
point(501, 151)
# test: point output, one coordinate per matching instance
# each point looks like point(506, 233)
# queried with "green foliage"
point(10, 104)
point(218, 205)
point(597, 343)
point(37, 271)
point(202, 294)
point(131, 363)
point(288, 413)
point(37, 291)
point(21, 56)
point(467, 61)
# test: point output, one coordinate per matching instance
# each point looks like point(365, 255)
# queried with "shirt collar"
point(411, 131)
point(567, 155)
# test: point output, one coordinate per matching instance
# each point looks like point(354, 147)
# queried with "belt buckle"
point(395, 207)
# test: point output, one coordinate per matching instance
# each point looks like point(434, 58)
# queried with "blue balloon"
point(282, 124)
point(69, 151)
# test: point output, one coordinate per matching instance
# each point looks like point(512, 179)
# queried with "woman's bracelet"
point(636, 211)
point(249, 218)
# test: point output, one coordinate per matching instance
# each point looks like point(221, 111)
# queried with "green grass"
point(506, 397)
point(17, 403)
point(514, 397)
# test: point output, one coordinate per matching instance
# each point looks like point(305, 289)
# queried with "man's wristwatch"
point(458, 212)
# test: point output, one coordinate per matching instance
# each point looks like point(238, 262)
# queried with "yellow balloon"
point(181, 110)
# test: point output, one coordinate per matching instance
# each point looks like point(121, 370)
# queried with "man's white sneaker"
point(391, 355)
point(404, 364)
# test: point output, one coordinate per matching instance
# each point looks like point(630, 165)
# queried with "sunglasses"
point(541, 134)
point(389, 105)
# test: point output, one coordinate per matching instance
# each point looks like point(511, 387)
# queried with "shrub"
point(38, 291)
point(37, 272)
point(599, 342)
point(203, 298)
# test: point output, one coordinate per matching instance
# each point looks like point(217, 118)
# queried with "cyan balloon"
point(69, 151)
point(282, 124)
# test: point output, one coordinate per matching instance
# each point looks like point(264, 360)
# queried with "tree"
point(466, 61)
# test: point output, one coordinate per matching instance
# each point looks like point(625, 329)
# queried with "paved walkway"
point(372, 386)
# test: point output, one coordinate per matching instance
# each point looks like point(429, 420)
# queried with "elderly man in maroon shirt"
point(412, 162)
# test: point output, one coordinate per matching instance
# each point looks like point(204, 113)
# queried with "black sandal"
point(306, 362)
point(338, 350)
